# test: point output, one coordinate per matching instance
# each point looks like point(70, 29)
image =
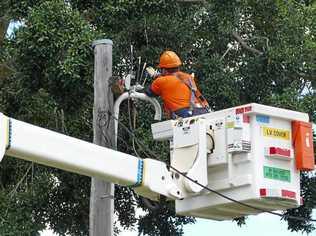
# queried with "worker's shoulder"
point(165, 78)
point(182, 75)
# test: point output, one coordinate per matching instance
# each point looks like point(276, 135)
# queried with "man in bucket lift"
point(177, 89)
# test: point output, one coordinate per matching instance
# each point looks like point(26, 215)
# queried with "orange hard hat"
point(169, 59)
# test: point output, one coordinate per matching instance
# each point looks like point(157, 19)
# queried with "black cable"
point(147, 202)
point(139, 143)
point(205, 187)
point(236, 201)
point(131, 126)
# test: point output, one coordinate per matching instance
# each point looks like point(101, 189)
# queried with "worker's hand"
point(152, 72)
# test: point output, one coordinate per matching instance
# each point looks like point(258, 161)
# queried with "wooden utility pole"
point(102, 193)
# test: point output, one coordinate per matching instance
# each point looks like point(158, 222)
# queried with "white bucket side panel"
point(242, 175)
point(275, 171)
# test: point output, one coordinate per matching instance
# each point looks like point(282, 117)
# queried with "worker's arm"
point(154, 89)
point(150, 93)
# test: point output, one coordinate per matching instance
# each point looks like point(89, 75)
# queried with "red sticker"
point(243, 110)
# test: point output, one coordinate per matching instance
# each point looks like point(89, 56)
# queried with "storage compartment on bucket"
point(302, 134)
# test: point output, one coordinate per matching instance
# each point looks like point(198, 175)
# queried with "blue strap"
point(139, 178)
point(10, 134)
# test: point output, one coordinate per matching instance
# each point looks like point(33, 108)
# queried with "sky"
point(260, 225)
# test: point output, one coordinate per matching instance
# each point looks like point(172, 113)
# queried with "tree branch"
point(5, 71)
point(244, 44)
point(4, 24)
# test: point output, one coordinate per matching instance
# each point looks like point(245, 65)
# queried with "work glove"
point(152, 72)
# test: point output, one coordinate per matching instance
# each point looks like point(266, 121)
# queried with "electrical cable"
point(138, 70)
point(131, 126)
point(12, 193)
point(236, 201)
point(149, 204)
point(154, 155)
point(134, 148)
point(142, 73)
point(130, 133)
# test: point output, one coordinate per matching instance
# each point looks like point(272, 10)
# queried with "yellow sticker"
point(230, 124)
point(276, 133)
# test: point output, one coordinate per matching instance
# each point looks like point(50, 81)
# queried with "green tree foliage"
point(52, 88)
point(270, 60)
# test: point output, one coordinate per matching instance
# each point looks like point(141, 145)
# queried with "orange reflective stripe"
point(196, 97)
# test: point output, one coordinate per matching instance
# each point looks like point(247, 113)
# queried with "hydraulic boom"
point(43, 146)
point(251, 153)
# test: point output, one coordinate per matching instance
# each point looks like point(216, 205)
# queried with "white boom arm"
point(251, 153)
point(43, 146)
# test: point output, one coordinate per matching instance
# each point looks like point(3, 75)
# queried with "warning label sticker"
point(263, 119)
point(276, 133)
point(276, 174)
point(230, 124)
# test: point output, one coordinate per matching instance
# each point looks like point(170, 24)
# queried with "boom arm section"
point(43, 146)
point(250, 153)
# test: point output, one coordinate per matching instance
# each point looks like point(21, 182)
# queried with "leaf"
point(4, 23)
point(5, 71)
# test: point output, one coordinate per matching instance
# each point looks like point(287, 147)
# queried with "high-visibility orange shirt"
point(173, 90)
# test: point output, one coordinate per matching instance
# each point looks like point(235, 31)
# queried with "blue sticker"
point(263, 119)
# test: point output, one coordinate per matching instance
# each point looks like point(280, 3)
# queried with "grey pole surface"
point(102, 193)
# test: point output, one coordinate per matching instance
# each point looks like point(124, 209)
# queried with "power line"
point(146, 149)
point(236, 201)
